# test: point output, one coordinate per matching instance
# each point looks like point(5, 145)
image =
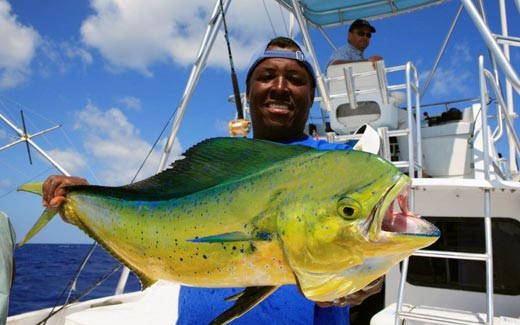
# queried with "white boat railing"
point(503, 114)
point(412, 131)
point(492, 44)
point(487, 257)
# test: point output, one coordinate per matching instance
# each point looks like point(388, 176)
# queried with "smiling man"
point(280, 92)
point(280, 88)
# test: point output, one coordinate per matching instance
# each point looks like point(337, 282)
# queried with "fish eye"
point(348, 208)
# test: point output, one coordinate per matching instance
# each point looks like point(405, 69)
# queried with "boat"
point(462, 157)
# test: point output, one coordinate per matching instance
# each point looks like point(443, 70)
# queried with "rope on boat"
point(273, 29)
point(81, 294)
point(72, 283)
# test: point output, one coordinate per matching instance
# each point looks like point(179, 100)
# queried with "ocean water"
point(43, 272)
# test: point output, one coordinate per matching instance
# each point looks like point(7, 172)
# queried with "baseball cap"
point(302, 55)
point(358, 23)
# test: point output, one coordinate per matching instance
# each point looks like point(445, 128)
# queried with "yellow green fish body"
point(240, 212)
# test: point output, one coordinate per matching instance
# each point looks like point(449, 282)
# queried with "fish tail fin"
point(47, 215)
point(244, 301)
point(44, 219)
point(35, 188)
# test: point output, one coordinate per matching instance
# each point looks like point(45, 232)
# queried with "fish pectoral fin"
point(35, 188)
point(244, 301)
point(232, 237)
point(44, 219)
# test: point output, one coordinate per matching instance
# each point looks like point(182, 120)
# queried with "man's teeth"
point(279, 106)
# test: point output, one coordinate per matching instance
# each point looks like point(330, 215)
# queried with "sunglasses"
point(361, 34)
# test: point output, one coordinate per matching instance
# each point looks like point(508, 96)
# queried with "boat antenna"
point(25, 135)
point(239, 126)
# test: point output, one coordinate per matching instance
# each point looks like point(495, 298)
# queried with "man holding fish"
point(281, 84)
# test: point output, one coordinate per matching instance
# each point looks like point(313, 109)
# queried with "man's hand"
point(53, 192)
point(375, 58)
point(355, 298)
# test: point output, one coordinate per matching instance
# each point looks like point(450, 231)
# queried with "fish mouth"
point(385, 219)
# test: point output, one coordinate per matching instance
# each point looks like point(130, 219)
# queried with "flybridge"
point(333, 13)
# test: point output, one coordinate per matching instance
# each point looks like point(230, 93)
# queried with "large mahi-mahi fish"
point(238, 212)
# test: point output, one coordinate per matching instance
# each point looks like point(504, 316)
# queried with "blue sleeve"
point(286, 306)
point(331, 315)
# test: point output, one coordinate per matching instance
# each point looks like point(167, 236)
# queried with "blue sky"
point(112, 72)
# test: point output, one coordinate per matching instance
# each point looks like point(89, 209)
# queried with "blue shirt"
point(347, 53)
point(320, 144)
point(285, 306)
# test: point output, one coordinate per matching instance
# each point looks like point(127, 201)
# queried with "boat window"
point(467, 235)
point(363, 108)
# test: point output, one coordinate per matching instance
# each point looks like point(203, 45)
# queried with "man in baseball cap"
point(359, 35)
point(359, 23)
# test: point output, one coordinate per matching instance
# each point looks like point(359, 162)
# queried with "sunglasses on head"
point(361, 34)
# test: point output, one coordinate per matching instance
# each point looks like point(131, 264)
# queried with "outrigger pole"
point(196, 71)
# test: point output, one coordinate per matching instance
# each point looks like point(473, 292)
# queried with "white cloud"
point(18, 44)
point(72, 51)
point(450, 82)
point(21, 45)
point(69, 160)
point(6, 186)
point(60, 56)
point(131, 103)
point(137, 34)
point(5, 183)
point(454, 78)
point(115, 143)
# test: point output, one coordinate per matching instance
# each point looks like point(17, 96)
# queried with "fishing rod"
point(239, 126)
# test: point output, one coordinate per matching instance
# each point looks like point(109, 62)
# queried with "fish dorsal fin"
point(211, 162)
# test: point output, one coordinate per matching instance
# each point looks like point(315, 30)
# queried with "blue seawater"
point(43, 272)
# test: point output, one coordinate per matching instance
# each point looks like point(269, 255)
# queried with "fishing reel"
point(240, 127)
